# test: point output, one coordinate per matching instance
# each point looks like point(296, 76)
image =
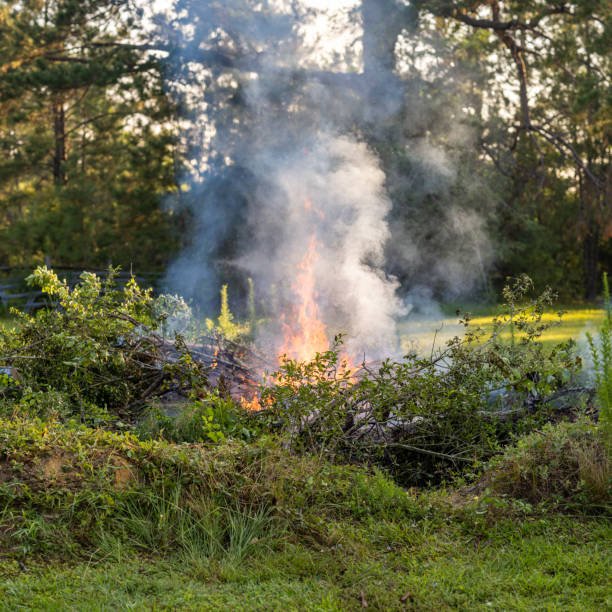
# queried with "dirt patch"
point(57, 469)
point(124, 475)
point(52, 468)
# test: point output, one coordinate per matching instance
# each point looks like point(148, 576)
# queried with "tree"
point(561, 121)
point(87, 136)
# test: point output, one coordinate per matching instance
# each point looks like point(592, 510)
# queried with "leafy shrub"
point(564, 463)
point(210, 418)
point(602, 361)
point(427, 416)
point(98, 349)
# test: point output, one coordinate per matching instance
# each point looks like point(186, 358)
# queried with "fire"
point(305, 333)
point(253, 404)
point(310, 208)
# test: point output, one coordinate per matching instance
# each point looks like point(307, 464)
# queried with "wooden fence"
point(14, 291)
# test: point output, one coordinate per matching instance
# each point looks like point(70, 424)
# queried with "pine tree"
point(85, 132)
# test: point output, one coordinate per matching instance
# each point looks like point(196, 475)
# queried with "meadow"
point(423, 332)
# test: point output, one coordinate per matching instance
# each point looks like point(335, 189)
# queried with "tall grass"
point(601, 352)
point(200, 529)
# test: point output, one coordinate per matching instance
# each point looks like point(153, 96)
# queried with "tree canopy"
point(124, 133)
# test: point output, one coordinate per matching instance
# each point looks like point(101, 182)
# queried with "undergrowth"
point(71, 488)
point(565, 465)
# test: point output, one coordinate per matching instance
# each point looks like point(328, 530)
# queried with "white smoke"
point(332, 190)
point(291, 145)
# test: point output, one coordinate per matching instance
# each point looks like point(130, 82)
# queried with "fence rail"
point(14, 291)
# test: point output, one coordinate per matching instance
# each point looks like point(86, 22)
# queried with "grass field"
point(562, 563)
point(574, 325)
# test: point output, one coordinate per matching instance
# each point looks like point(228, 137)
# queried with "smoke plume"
point(286, 170)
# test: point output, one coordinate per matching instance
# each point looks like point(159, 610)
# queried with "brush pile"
point(104, 352)
point(428, 413)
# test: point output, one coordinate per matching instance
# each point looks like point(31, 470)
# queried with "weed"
point(602, 362)
point(564, 464)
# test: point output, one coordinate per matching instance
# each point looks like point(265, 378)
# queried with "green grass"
point(539, 564)
point(7, 321)
point(574, 325)
point(95, 521)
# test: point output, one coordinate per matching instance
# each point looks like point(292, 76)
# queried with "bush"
point(98, 350)
point(565, 464)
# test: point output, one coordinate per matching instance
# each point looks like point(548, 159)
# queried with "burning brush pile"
point(105, 355)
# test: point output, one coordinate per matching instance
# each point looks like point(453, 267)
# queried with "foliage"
point(99, 486)
point(211, 418)
point(564, 464)
point(549, 145)
point(87, 137)
point(97, 353)
point(602, 362)
point(226, 318)
point(226, 325)
point(428, 414)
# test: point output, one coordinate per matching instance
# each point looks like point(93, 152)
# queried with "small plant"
point(601, 353)
point(226, 325)
point(226, 318)
point(206, 419)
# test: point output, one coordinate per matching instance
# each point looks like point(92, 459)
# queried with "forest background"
point(122, 130)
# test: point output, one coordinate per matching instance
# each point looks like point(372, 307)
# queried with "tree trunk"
point(383, 21)
point(590, 245)
point(59, 134)
point(382, 24)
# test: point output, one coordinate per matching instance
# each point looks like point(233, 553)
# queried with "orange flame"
point(305, 333)
point(310, 208)
point(253, 404)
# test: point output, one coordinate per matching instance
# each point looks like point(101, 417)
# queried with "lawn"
point(421, 332)
point(542, 563)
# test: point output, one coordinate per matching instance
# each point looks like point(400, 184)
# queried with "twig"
point(426, 451)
